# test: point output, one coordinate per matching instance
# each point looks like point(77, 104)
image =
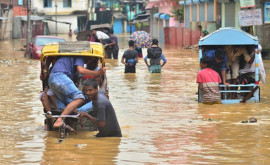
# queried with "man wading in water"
point(105, 119)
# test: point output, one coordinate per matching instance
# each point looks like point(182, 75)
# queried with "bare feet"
point(57, 123)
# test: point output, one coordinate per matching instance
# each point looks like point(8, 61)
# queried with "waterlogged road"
point(161, 121)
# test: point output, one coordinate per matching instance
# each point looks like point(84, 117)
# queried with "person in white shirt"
point(250, 68)
point(101, 36)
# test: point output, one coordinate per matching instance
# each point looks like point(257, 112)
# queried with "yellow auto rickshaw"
point(50, 53)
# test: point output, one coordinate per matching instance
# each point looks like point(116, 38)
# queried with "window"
point(67, 3)
point(47, 3)
point(20, 2)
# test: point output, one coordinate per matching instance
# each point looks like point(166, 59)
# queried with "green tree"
point(178, 13)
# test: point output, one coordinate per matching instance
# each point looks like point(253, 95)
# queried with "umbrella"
point(142, 39)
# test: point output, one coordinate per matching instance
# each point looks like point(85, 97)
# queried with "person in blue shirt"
point(218, 62)
point(155, 66)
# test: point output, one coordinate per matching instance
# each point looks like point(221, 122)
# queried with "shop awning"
point(227, 1)
point(149, 5)
point(157, 15)
point(190, 2)
point(164, 16)
point(140, 20)
point(32, 18)
point(119, 15)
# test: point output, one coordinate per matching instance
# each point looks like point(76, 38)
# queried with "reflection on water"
point(161, 121)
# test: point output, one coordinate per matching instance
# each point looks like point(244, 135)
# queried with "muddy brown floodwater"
point(161, 121)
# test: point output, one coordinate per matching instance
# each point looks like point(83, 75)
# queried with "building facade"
point(160, 18)
point(63, 15)
point(214, 14)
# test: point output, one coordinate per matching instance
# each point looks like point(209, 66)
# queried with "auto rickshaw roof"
point(228, 36)
point(101, 26)
point(77, 48)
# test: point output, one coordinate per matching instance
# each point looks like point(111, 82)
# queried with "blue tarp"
point(156, 14)
point(164, 16)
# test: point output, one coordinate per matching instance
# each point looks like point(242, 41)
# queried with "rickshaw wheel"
point(61, 132)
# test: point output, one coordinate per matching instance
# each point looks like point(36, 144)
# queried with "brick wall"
point(19, 11)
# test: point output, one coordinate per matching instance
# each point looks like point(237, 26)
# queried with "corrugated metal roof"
point(3, 18)
point(32, 18)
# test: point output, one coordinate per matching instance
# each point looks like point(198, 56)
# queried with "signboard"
point(267, 12)
point(247, 3)
point(250, 17)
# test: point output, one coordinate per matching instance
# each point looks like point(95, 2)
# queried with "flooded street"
point(160, 118)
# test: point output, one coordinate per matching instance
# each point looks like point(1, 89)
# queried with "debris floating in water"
point(250, 120)
point(80, 145)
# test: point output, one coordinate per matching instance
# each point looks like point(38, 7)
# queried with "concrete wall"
point(6, 26)
point(210, 12)
point(202, 12)
point(230, 14)
point(61, 27)
point(19, 11)
point(64, 14)
point(77, 5)
point(17, 26)
point(187, 16)
point(194, 13)
point(263, 31)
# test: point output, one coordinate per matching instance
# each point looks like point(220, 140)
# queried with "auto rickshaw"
point(233, 36)
point(49, 55)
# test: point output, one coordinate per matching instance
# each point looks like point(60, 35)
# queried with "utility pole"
point(112, 12)
point(130, 17)
point(56, 18)
point(29, 34)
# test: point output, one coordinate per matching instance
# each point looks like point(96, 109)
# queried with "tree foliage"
point(178, 13)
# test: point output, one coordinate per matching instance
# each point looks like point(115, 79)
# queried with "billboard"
point(267, 12)
point(250, 17)
point(247, 3)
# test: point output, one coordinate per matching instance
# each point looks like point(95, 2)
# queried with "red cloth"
point(208, 75)
point(210, 80)
point(88, 76)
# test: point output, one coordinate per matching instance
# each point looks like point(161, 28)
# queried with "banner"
point(250, 17)
point(267, 12)
point(247, 3)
